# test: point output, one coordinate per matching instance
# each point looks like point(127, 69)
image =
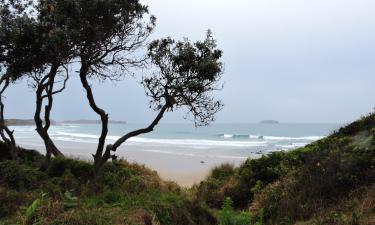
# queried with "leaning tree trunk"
point(112, 148)
point(46, 85)
point(5, 133)
point(101, 156)
point(98, 157)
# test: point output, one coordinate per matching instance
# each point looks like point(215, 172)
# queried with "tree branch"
point(139, 131)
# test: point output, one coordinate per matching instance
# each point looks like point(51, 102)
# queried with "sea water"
point(220, 140)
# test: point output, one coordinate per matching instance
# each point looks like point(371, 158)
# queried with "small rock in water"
point(202, 162)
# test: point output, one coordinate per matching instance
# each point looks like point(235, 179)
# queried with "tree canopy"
point(187, 73)
point(108, 39)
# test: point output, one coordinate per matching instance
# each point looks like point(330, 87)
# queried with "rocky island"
point(269, 122)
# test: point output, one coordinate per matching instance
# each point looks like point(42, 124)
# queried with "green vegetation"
point(228, 216)
point(65, 193)
point(331, 181)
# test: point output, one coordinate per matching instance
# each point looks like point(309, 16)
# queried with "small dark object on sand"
point(202, 162)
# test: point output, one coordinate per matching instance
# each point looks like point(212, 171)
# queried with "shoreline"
point(186, 170)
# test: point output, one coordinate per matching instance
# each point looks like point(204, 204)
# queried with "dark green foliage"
point(102, 32)
point(30, 40)
point(332, 168)
point(20, 177)
point(59, 166)
point(10, 200)
point(303, 183)
point(117, 173)
point(187, 75)
point(254, 174)
point(217, 186)
point(125, 194)
point(69, 201)
point(223, 171)
point(366, 123)
point(30, 157)
point(227, 215)
point(4, 152)
point(240, 184)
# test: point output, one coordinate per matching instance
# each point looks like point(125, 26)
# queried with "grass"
point(64, 193)
point(327, 182)
point(331, 181)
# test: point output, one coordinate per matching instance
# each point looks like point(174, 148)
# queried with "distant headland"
point(269, 122)
point(23, 122)
point(92, 121)
point(31, 122)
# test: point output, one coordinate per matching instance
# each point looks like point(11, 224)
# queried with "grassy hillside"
point(64, 193)
point(331, 181)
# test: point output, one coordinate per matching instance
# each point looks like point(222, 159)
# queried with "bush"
point(332, 168)
point(82, 170)
point(4, 152)
point(240, 184)
point(20, 177)
point(223, 171)
point(227, 215)
point(10, 201)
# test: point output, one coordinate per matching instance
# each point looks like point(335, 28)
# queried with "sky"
point(296, 61)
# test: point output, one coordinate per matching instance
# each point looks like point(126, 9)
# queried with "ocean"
point(219, 140)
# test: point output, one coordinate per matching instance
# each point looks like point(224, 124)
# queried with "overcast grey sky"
point(290, 60)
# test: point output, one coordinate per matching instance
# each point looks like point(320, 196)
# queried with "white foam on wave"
point(310, 138)
point(276, 138)
point(194, 143)
point(22, 128)
point(228, 141)
point(227, 135)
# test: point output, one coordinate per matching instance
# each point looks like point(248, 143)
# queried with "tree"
point(44, 85)
point(106, 36)
point(5, 133)
point(9, 19)
point(187, 75)
point(39, 49)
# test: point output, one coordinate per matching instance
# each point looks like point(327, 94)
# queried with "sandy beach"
point(184, 169)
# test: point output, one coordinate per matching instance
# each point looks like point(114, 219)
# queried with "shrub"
point(223, 171)
point(69, 201)
point(4, 152)
point(240, 184)
point(20, 177)
point(10, 201)
point(227, 215)
point(58, 166)
point(332, 168)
